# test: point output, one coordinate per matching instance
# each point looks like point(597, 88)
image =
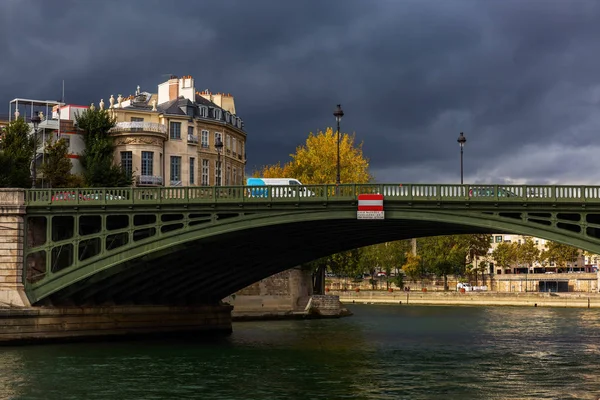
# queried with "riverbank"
point(573, 300)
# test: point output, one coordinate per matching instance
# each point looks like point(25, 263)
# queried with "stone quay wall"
point(12, 236)
point(30, 325)
point(530, 299)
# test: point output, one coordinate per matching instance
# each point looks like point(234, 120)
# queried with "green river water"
point(382, 352)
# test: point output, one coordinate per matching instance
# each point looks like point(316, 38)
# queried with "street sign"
point(370, 206)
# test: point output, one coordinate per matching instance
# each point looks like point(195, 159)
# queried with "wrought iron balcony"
point(192, 139)
point(139, 127)
point(148, 180)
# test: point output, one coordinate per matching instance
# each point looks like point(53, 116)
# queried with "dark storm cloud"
point(519, 77)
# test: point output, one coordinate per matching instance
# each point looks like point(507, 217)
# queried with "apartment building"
point(179, 136)
point(57, 120)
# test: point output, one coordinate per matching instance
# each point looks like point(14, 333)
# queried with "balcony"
point(192, 139)
point(124, 127)
point(148, 180)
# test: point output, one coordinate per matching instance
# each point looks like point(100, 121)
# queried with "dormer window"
point(227, 117)
point(204, 112)
point(239, 123)
point(190, 111)
point(218, 114)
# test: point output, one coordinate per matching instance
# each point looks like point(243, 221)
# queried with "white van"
point(295, 189)
point(466, 286)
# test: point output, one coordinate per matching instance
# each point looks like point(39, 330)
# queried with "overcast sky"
point(520, 78)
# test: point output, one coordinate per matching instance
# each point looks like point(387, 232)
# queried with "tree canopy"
point(56, 166)
point(98, 158)
point(17, 147)
point(315, 162)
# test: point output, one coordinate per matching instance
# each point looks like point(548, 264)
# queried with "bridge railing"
point(308, 193)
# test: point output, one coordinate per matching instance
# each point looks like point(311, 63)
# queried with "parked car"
point(466, 286)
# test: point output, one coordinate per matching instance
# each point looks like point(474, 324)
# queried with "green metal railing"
point(311, 193)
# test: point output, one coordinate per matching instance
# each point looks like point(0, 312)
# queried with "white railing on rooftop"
point(139, 127)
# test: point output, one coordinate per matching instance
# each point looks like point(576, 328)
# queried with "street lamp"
point(461, 141)
point(219, 147)
point(35, 120)
point(338, 114)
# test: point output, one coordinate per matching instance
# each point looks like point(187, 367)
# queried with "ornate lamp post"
point(35, 120)
point(338, 114)
point(219, 147)
point(461, 141)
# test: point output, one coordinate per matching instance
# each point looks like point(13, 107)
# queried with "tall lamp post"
point(35, 120)
point(461, 141)
point(219, 147)
point(338, 114)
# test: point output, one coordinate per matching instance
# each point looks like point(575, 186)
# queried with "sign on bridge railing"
point(370, 206)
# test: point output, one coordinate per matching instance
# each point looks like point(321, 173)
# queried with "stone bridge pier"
point(12, 237)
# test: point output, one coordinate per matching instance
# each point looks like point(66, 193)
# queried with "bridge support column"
point(12, 237)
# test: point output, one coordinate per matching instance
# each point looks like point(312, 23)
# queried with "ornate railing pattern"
point(312, 193)
point(139, 127)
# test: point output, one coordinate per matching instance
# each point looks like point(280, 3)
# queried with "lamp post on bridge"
point(338, 114)
point(219, 148)
point(461, 141)
point(35, 120)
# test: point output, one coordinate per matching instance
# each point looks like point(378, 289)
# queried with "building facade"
point(172, 137)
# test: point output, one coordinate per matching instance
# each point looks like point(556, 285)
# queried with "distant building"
point(57, 121)
point(168, 138)
point(584, 263)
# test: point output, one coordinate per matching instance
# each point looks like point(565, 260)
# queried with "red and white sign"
point(370, 206)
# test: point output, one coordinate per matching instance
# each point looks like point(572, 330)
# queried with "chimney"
point(173, 88)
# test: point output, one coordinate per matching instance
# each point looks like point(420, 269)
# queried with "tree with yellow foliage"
point(315, 162)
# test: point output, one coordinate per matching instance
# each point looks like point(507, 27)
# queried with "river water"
point(382, 352)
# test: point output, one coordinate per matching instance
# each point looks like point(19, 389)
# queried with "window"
point(127, 162)
point(204, 138)
point(228, 142)
point(498, 239)
point(203, 112)
point(227, 116)
point(192, 172)
point(491, 239)
point(218, 114)
point(190, 111)
point(218, 136)
point(205, 169)
point(175, 170)
point(137, 119)
point(519, 241)
point(235, 182)
point(191, 130)
point(175, 130)
point(234, 140)
point(147, 163)
point(218, 173)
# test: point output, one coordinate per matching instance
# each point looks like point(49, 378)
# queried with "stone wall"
point(47, 324)
point(325, 305)
point(12, 212)
point(283, 293)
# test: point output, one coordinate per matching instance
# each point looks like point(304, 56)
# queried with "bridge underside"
point(206, 270)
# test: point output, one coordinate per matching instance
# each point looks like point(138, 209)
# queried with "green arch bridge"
point(196, 245)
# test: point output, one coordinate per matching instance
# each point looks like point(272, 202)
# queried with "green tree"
point(527, 252)
point(504, 254)
point(56, 166)
point(444, 255)
point(17, 147)
point(413, 266)
point(97, 159)
point(561, 254)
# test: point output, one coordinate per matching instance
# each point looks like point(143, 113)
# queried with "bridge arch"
point(207, 262)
